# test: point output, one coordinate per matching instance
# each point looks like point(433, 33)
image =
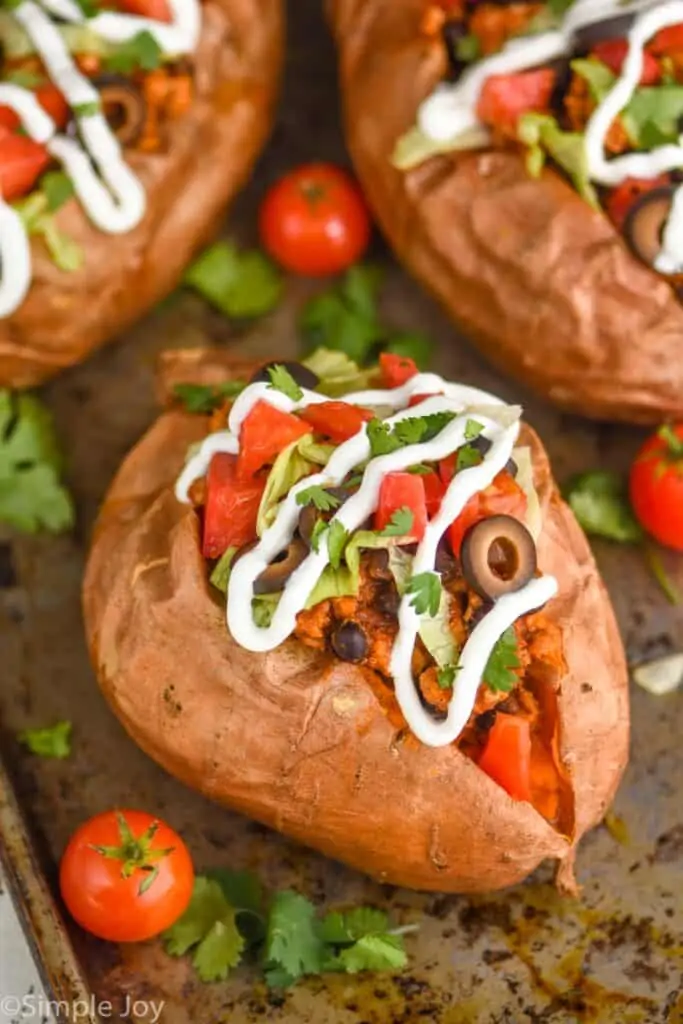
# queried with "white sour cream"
point(451, 109)
point(110, 193)
point(501, 427)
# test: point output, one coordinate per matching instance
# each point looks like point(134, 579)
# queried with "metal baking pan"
point(520, 956)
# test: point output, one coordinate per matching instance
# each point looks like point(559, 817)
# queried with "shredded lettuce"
point(17, 43)
point(314, 451)
point(289, 467)
point(525, 479)
point(542, 134)
point(338, 374)
point(415, 147)
point(37, 219)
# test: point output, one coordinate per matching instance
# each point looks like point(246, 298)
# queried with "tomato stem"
point(673, 442)
point(135, 853)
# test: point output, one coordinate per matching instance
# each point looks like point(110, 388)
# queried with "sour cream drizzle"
point(110, 193)
point(501, 427)
point(451, 109)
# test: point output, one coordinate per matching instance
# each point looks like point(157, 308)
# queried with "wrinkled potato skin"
point(211, 151)
point(543, 284)
point(297, 739)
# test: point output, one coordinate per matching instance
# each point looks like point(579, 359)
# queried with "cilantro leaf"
point(31, 495)
point(426, 591)
point(446, 676)
point(344, 318)
point(418, 429)
point(341, 928)
point(317, 532)
point(467, 457)
point(204, 398)
point(600, 503)
point(336, 542)
point(239, 284)
point(57, 188)
point(282, 380)
point(473, 429)
point(319, 497)
point(381, 438)
point(142, 51)
point(53, 741)
point(374, 953)
point(499, 674)
point(400, 523)
point(220, 949)
point(207, 905)
point(293, 939)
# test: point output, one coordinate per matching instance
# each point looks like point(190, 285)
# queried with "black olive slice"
point(123, 105)
point(274, 577)
point(646, 220)
point(498, 556)
point(304, 377)
point(349, 642)
point(590, 34)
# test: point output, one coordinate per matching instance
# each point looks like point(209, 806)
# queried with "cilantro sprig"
point(386, 438)
point(229, 917)
point(239, 284)
point(319, 497)
point(425, 589)
point(50, 741)
point(282, 380)
point(204, 398)
point(400, 524)
point(500, 673)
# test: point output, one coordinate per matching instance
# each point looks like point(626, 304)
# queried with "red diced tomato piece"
point(434, 491)
point(503, 497)
point(668, 40)
point(22, 161)
point(50, 99)
point(398, 491)
point(613, 53)
point(337, 420)
point(506, 758)
point(158, 10)
point(446, 468)
point(265, 432)
point(620, 199)
point(416, 399)
point(504, 98)
point(231, 507)
point(396, 370)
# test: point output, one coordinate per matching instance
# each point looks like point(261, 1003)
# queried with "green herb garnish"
point(499, 674)
point(400, 523)
point(282, 380)
point(54, 741)
point(239, 284)
point(204, 398)
point(319, 497)
point(426, 593)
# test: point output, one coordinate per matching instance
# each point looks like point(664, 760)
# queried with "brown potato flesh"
point(298, 740)
point(543, 284)
point(211, 151)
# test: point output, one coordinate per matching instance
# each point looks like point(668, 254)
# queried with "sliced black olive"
point(481, 444)
point(498, 556)
point(274, 577)
point(308, 517)
point(304, 377)
point(511, 467)
point(123, 105)
point(645, 223)
point(589, 35)
point(453, 32)
point(349, 642)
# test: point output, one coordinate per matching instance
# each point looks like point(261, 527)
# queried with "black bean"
point(349, 642)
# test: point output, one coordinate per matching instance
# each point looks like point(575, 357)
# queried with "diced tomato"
point(22, 161)
point(446, 468)
point(504, 98)
point(50, 99)
point(503, 497)
point(398, 491)
point(667, 41)
point(620, 199)
point(265, 432)
point(434, 492)
point(158, 10)
point(337, 420)
point(506, 758)
point(613, 53)
point(416, 399)
point(231, 507)
point(396, 370)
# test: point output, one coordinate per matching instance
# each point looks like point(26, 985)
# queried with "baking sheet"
point(520, 956)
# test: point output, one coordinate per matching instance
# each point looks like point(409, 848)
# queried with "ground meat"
point(579, 105)
point(494, 24)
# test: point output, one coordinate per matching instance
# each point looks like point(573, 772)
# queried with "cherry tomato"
point(264, 433)
point(507, 755)
point(314, 221)
point(620, 199)
point(50, 99)
point(126, 876)
point(613, 53)
point(337, 420)
point(656, 486)
point(158, 10)
point(398, 491)
point(231, 507)
point(396, 370)
point(22, 161)
point(504, 98)
point(503, 497)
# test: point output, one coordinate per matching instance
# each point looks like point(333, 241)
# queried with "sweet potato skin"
point(543, 284)
point(210, 154)
point(298, 740)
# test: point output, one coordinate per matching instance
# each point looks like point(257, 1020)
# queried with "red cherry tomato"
point(337, 420)
point(50, 99)
point(398, 491)
point(613, 53)
point(264, 433)
point(667, 41)
point(126, 876)
point(507, 755)
point(620, 199)
point(158, 10)
point(231, 507)
point(314, 221)
point(503, 497)
point(504, 98)
point(656, 486)
point(22, 161)
point(396, 370)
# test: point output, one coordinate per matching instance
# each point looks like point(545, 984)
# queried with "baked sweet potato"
point(215, 121)
point(316, 747)
point(545, 285)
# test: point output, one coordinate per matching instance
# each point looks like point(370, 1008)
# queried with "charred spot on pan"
point(477, 918)
point(8, 575)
